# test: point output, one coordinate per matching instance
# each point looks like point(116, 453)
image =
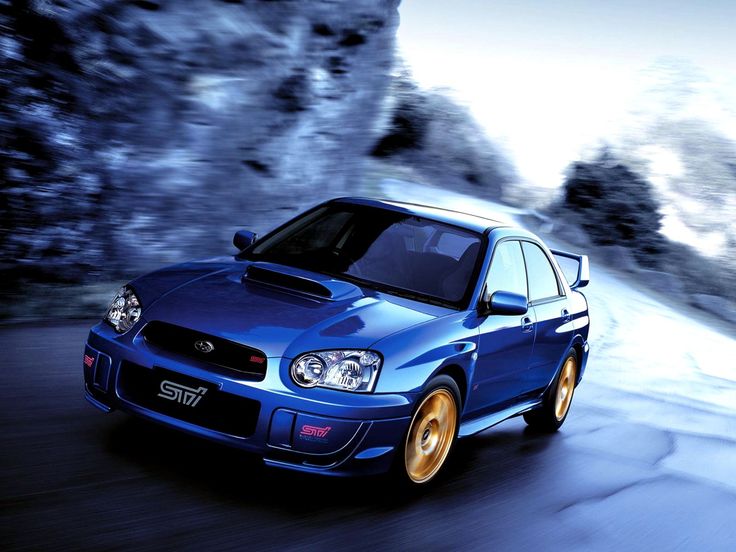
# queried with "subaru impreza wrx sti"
point(361, 336)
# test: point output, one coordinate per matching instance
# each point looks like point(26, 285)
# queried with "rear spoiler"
point(583, 275)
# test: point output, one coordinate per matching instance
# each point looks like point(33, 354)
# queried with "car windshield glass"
point(391, 251)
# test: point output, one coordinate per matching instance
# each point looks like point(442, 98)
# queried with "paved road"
point(645, 461)
point(628, 471)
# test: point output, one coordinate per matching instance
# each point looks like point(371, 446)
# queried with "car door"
point(553, 321)
point(505, 341)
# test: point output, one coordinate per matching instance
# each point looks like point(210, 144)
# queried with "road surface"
point(645, 461)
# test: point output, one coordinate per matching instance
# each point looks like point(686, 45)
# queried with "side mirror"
point(504, 302)
point(243, 239)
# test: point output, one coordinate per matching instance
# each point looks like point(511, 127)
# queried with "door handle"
point(526, 324)
point(566, 317)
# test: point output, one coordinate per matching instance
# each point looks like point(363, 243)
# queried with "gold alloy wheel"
point(565, 388)
point(430, 436)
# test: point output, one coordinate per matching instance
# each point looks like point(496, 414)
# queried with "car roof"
point(456, 218)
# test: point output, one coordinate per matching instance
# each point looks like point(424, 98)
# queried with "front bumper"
point(313, 430)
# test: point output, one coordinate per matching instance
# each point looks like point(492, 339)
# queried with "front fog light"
point(124, 311)
point(347, 370)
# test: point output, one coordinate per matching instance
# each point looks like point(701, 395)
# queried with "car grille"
point(189, 399)
point(225, 353)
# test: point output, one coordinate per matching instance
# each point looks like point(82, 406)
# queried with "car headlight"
point(347, 370)
point(124, 311)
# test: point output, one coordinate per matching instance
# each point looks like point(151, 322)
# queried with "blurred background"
point(141, 133)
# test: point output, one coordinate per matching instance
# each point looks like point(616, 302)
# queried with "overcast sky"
point(548, 78)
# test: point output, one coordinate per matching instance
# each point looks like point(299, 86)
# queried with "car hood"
point(214, 298)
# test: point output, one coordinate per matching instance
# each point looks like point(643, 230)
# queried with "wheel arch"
point(457, 373)
point(578, 345)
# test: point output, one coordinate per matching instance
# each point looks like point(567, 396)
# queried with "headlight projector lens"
point(124, 311)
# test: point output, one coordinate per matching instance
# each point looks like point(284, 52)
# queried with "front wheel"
point(553, 412)
point(432, 431)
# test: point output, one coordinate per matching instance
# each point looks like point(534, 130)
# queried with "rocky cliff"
point(140, 132)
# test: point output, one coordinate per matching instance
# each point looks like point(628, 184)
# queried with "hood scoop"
point(302, 282)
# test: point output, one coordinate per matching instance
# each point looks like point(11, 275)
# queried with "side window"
point(542, 279)
point(507, 269)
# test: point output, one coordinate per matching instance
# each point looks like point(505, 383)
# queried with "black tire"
point(548, 417)
point(440, 388)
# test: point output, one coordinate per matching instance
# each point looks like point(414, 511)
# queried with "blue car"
point(362, 336)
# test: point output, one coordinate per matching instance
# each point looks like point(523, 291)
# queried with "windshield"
point(386, 250)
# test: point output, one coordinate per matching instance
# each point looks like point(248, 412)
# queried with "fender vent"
point(286, 281)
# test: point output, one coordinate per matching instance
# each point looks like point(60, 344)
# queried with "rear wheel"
point(432, 431)
point(556, 405)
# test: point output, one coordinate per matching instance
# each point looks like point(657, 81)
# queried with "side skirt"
point(471, 427)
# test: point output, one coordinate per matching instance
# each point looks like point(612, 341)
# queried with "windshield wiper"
point(385, 288)
point(419, 297)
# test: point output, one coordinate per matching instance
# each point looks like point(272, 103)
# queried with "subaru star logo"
point(204, 346)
